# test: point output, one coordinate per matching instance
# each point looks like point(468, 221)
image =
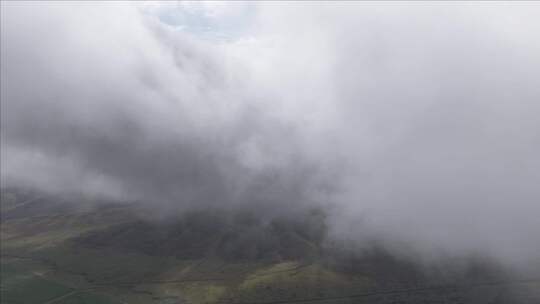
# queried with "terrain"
point(79, 250)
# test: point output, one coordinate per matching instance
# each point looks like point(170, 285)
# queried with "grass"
point(105, 266)
point(290, 281)
point(87, 298)
point(20, 285)
point(56, 264)
point(127, 276)
point(199, 292)
point(33, 290)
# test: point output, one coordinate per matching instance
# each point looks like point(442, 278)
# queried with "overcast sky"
point(417, 122)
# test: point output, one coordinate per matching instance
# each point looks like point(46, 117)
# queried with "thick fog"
point(413, 123)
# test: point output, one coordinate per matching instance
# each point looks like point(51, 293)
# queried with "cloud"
point(434, 107)
point(418, 122)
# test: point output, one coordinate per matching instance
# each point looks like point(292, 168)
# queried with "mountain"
point(73, 249)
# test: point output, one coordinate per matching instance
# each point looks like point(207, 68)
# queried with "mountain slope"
point(54, 251)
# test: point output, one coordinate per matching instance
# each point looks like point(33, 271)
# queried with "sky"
point(412, 122)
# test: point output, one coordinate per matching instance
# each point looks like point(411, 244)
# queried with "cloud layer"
point(417, 122)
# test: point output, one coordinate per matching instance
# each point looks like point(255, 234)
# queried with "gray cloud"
point(418, 122)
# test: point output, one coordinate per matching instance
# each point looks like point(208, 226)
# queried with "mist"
point(412, 123)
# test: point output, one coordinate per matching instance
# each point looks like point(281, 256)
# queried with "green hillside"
point(54, 251)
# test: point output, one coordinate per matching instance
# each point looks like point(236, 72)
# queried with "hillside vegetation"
point(59, 250)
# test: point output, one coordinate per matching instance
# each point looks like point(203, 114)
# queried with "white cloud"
point(424, 117)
